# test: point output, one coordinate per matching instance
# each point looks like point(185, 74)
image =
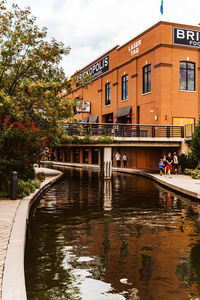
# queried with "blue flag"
point(161, 7)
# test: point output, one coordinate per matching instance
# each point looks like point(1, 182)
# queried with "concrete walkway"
point(12, 239)
point(13, 216)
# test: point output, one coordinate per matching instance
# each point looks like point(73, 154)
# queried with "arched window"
point(187, 76)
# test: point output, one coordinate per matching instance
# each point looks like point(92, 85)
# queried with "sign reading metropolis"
point(188, 37)
point(96, 70)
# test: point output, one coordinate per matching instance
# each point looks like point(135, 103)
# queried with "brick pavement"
point(8, 209)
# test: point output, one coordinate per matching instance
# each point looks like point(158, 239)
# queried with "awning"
point(85, 120)
point(123, 111)
point(94, 118)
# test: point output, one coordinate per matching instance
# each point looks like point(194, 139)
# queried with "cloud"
point(91, 27)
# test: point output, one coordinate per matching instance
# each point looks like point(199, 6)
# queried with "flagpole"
point(161, 7)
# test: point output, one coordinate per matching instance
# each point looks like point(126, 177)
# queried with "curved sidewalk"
point(13, 220)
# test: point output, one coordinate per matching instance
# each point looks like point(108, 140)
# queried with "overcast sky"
point(92, 27)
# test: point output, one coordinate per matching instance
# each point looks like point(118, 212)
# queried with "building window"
point(107, 93)
point(187, 76)
point(125, 87)
point(147, 79)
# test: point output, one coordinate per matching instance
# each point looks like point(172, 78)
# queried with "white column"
point(107, 162)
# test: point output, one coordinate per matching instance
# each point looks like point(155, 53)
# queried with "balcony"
point(125, 131)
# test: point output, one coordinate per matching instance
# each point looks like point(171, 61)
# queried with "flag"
point(161, 7)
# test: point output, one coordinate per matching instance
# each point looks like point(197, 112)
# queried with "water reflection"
point(125, 239)
point(107, 199)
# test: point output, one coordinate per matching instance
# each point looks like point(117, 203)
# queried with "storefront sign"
point(83, 107)
point(96, 70)
point(134, 48)
point(188, 37)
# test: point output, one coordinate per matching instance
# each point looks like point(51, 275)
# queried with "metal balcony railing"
point(124, 130)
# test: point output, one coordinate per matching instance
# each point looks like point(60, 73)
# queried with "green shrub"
point(196, 174)
point(40, 176)
point(187, 161)
point(21, 145)
point(36, 182)
point(188, 171)
point(25, 188)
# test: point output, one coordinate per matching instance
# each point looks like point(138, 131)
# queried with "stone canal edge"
point(12, 284)
point(12, 279)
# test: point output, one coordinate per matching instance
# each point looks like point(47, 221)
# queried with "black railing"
point(124, 130)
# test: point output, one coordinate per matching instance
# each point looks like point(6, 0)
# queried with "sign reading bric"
point(95, 70)
point(188, 37)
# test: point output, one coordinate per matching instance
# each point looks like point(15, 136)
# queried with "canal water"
point(126, 239)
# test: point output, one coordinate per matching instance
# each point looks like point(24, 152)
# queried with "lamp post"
point(14, 186)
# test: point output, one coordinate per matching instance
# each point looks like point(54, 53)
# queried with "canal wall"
point(12, 285)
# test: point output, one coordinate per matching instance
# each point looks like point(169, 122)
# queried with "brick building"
point(152, 79)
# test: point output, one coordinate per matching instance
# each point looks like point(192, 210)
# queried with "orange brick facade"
point(166, 103)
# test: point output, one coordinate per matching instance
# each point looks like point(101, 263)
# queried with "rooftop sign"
point(186, 37)
point(95, 70)
point(134, 48)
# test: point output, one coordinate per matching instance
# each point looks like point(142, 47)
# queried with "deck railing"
point(124, 130)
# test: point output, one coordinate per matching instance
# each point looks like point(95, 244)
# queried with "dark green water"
point(129, 239)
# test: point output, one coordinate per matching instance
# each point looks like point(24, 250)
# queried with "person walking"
point(165, 164)
point(124, 158)
point(175, 163)
point(161, 166)
point(169, 164)
point(118, 158)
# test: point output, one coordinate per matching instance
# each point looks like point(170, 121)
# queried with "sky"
point(93, 27)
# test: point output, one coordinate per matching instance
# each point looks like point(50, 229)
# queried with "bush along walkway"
point(13, 221)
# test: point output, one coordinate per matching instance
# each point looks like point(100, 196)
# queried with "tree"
point(21, 146)
point(195, 144)
point(31, 110)
point(30, 76)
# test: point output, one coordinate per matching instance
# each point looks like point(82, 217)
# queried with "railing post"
point(182, 131)
point(138, 131)
point(168, 131)
point(153, 131)
point(14, 186)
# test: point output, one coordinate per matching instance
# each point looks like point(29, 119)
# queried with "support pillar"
point(63, 154)
point(71, 155)
point(90, 156)
point(107, 162)
point(81, 155)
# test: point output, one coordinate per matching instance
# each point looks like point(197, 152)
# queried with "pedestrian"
point(161, 166)
point(118, 157)
point(175, 163)
point(124, 158)
point(169, 164)
point(165, 164)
